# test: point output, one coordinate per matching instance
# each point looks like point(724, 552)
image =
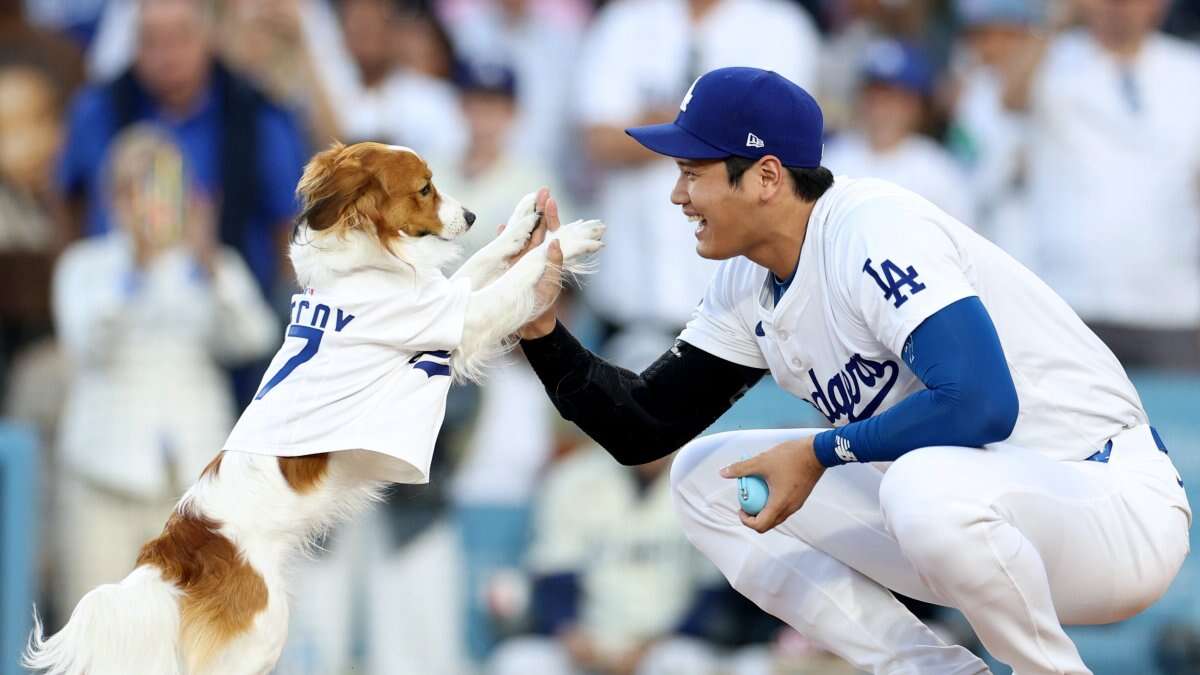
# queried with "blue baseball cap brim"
point(673, 140)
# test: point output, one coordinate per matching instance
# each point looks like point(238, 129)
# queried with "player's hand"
point(791, 470)
point(549, 286)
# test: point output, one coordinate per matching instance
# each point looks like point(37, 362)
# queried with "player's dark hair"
point(808, 184)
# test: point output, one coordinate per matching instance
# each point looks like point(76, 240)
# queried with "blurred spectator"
point(856, 24)
point(76, 18)
point(375, 98)
point(540, 41)
point(492, 174)
point(146, 313)
point(988, 138)
point(277, 44)
point(897, 83)
point(246, 153)
point(423, 43)
point(1114, 178)
point(612, 580)
point(30, 136)
point(492, 490)
point(639, 59)
point(513, 435)
point(23, 42)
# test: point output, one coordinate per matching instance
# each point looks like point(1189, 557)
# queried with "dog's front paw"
point(579, 239)
point(520, 225)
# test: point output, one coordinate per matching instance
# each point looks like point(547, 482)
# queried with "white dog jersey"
point(876, 262)
point(365, 365)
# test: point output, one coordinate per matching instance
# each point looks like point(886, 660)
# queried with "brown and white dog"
point(208, 596)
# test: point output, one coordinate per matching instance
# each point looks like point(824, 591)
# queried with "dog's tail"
point(116, 629)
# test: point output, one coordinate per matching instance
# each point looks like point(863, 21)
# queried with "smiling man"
point(989, 452)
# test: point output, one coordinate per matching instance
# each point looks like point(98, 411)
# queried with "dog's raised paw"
point(520, 225)
point(580, 238)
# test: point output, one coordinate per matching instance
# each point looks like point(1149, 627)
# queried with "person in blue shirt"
point(245, 152)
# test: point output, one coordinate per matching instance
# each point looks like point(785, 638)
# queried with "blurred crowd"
point(149, 152)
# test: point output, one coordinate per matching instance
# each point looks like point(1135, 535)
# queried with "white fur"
point(133, 627)
point(504, 299)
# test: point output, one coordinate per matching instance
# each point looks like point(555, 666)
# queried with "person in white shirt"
point(897, 83)
point(612, 582)
point(989, 452)
point(374, 98)
point(986, 137)
point(147, 316)
point(1114, 177)
point(638, 56)
point(540, 42)
point(496, 477)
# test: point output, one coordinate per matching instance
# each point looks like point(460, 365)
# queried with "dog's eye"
point(426, 190)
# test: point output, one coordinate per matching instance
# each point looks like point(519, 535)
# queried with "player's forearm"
point(637, 418)
point(969, 401)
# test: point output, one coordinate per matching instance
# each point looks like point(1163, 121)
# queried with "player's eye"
point(426, 190)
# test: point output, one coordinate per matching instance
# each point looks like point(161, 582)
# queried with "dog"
point(370, 350)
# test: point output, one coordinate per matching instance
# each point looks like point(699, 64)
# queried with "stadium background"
point(525, 530)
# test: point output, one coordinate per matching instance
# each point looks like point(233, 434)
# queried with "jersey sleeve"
point(718, 325)
point(895, 268)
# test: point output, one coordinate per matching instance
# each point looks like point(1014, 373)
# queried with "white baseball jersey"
point(876, 262)
point(366, 365)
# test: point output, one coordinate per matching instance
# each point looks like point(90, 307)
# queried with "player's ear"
point(770, 175)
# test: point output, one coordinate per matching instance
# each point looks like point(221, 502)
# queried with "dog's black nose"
point(469, 216)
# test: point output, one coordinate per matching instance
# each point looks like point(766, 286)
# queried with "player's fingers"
point(539, 204)
point(551, 217)
point(756, 523)
point(500, 228)
point(554, 253)
point(745, 467)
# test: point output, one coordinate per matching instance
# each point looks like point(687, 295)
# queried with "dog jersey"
point(365, 364)
point(878, 260)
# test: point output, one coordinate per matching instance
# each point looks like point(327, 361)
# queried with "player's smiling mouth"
point(701, 223)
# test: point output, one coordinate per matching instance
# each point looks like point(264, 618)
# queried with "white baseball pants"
point(1019, 542)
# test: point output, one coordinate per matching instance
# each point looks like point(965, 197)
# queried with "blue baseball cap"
point(486, 78)
point(898, 64)
point(743, 112)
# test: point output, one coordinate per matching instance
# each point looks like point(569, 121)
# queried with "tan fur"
point(369, 186)
point(304, 474)
point(222, 593)
point(213, 469)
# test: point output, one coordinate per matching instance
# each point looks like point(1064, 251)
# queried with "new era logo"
point(841, 447)
point(753, 141)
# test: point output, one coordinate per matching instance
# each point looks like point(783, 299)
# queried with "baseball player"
point(989, 452)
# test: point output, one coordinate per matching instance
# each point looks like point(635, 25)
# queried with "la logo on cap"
point(753, 141)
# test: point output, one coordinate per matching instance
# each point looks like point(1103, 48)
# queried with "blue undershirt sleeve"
point(969, 398)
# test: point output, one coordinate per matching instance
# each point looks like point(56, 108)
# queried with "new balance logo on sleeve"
point(753, 141)
point(841, 447)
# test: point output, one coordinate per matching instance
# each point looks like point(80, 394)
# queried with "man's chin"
point(709, 252)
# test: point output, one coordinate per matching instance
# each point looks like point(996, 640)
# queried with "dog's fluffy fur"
point(208, 595)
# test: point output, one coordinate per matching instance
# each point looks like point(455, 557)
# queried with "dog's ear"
point(333, 181)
